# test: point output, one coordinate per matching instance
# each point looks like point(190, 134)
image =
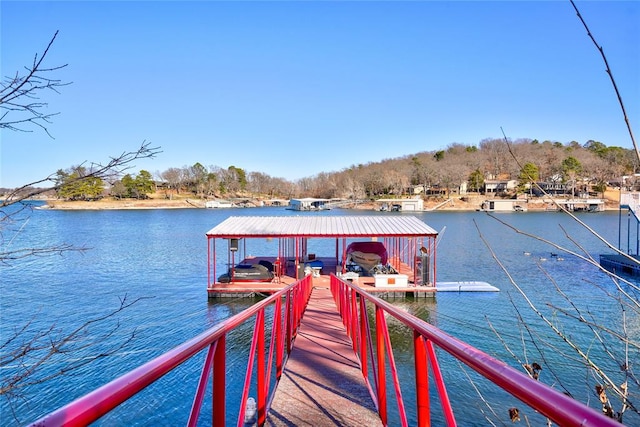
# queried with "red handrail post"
point(442, 390)
point(354, 321)
point(382, 375)
point(364, 333)
point(207, 368)
point(260, 371)
point(295, 312)
point(219, 383)
point(287, 321)
point(422, 380)
point(279, 342)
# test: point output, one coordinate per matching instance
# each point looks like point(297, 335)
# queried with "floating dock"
point(390, 288)
point(472, 286)
point(620, 264)
point(285, 245)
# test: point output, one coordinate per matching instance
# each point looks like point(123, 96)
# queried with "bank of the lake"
point(161, 201)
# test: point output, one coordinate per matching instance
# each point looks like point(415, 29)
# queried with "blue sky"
point(296, 88)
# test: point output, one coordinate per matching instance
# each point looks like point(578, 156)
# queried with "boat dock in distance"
point(392, 256)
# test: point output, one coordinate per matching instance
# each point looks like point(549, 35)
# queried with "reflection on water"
point(160, 257)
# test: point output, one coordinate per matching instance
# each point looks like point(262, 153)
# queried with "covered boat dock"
point(292, 247)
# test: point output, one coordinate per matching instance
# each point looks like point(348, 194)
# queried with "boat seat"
point(267, 264)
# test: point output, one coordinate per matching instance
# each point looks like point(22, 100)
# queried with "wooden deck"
point(250, 289)
point(322, 384)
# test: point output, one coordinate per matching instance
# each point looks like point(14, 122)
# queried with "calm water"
point(159, 257)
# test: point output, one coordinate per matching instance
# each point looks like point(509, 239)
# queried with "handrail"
point(351, 301)
point(94, 405)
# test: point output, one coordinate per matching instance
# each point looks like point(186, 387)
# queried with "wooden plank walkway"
point(322, 384)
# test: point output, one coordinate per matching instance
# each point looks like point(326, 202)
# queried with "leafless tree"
point(258, 183)
point(497, 156)
point(173, 178)
point(24, 353)
point(616, 390)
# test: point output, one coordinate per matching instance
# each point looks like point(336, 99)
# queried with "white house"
point(499, 185)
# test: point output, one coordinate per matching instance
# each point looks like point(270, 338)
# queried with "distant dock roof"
point(321, 226)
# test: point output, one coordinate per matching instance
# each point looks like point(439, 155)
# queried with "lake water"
point(160, 257)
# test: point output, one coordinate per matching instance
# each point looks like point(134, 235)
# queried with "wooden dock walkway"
point(322, 384)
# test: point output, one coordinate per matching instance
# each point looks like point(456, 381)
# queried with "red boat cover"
point(369, 248)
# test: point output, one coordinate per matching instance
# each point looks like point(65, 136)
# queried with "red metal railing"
point(288, 307)
point(352, 305)
point(94, 405)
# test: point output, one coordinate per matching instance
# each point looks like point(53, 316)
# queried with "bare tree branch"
point(588, 361)
point(586, 258)
point(113, 168)
point(610, 73)
point(25, 353)
point(20, 94)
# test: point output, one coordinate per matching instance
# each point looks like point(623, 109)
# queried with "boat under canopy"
point(367, 255)
point(248, 273)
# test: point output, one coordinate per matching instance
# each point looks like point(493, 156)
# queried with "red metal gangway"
point(352, 304)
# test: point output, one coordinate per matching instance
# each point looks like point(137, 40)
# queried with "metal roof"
point(321, 226)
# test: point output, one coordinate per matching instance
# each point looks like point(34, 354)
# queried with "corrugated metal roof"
point(321, 226)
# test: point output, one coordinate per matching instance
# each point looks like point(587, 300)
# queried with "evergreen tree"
point(129, 185)
point(571, 167)
point(528, 175)
point(144, 184)
point(476, 180)
point(79, 185)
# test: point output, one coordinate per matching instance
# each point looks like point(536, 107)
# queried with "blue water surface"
point(158, 258)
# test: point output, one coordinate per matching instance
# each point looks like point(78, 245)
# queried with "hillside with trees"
point(458, 169)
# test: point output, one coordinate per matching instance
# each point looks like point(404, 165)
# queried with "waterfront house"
point(499, 185)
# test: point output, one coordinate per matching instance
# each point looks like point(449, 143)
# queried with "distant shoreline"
point(186, 203)
point(108, 204)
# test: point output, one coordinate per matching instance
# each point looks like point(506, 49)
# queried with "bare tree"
point(24, 352)
point(612, 342)
point(173, 179)
point(613, 80)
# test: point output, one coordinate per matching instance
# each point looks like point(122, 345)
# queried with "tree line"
point(590, 166)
